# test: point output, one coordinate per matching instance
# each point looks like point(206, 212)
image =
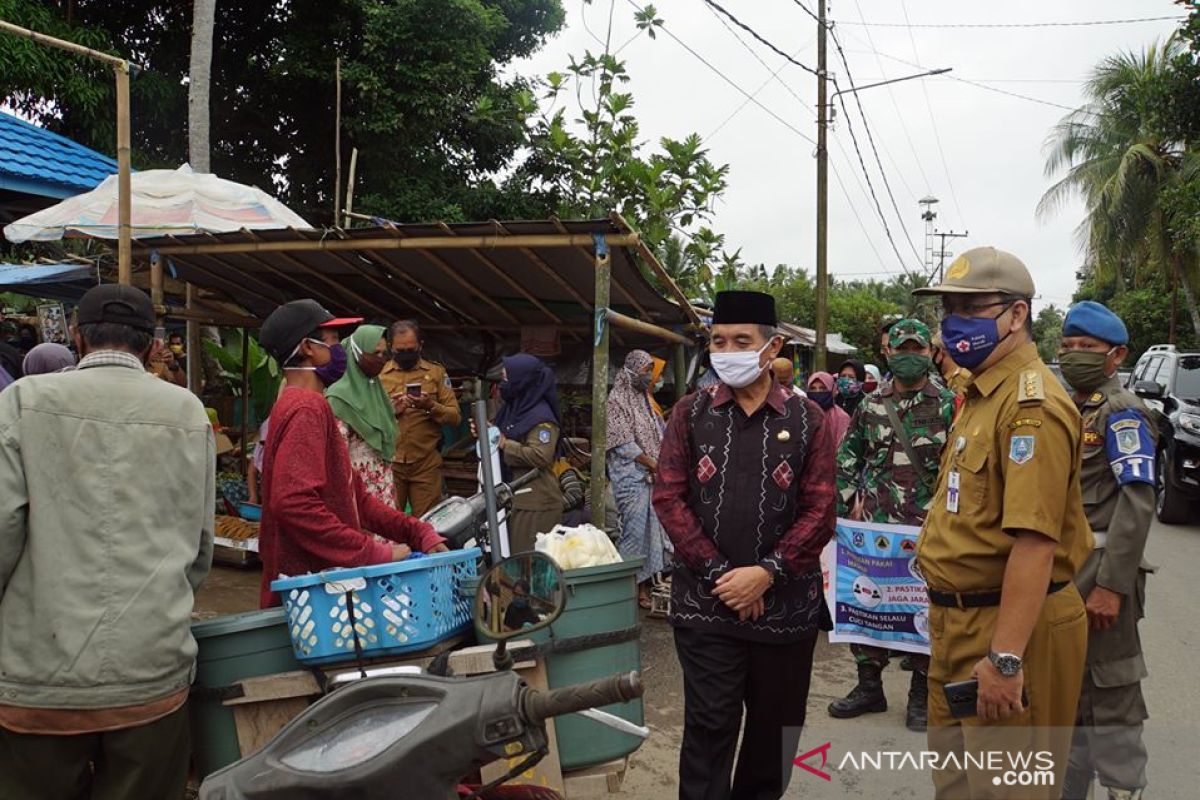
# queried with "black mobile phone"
point(963, 698)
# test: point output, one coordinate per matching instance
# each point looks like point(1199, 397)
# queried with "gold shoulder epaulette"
point(1031, 388)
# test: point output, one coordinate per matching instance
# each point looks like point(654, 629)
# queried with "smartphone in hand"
point(963, 698)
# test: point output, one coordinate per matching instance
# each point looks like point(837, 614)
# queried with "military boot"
point(1125, 794)
point(917, 716)
point(865, 698)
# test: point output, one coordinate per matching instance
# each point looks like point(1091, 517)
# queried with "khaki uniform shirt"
point(421, 431)
point(1015, 452)
point(536, 451)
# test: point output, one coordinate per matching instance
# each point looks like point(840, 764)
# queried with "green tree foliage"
point(1047, 332)
point(1128, 154)
point(586, 151)
point(423, 98)
point(1146, 312)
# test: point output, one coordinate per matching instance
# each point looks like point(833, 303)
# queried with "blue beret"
point(1093, 319)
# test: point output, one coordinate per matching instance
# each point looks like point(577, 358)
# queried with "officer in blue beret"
point(1117, 480)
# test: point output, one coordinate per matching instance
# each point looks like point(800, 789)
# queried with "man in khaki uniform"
point(424, 402)
point(1118, 497)
point(1005, 535)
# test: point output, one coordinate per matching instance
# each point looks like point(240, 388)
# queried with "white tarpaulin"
point(164, 201)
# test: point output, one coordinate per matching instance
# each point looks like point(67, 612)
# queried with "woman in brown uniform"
point(529, 423)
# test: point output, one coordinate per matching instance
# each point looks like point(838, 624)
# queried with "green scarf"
point(360, 401)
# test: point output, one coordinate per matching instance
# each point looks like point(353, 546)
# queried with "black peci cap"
point(738, 307)
point(117, 304)
point(288, 325)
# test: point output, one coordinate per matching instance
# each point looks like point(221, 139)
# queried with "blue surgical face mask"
point(970, 340)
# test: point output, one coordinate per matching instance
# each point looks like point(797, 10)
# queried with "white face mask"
point(740, 369)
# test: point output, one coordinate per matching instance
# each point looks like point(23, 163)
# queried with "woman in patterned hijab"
point(634, 439)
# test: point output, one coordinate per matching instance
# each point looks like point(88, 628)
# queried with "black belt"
point(975, 599)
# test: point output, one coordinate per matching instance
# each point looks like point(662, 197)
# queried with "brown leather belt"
point(975, 599)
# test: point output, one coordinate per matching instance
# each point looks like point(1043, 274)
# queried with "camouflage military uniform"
point(872, 465)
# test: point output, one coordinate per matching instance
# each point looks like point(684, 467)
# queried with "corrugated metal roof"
point(35, 161)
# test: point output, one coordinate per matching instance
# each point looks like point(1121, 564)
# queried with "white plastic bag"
point(576, 548)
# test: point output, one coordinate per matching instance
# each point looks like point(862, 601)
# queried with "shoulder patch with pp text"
point(1020, 449)
point(1130, 447)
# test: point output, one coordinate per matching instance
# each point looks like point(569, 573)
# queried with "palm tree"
point(1122, 166)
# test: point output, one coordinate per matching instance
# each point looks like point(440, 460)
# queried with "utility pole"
point(822, 194)
point(942, 252)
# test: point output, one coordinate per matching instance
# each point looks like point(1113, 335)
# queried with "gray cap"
point(984, 270)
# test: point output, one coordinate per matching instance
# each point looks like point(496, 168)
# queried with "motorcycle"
point(401, 734)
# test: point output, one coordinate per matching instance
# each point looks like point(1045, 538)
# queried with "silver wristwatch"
point(1007, 664)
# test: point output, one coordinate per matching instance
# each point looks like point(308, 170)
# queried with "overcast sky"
point(987, 170)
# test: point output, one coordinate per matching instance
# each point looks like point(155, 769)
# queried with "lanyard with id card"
point(953, 479)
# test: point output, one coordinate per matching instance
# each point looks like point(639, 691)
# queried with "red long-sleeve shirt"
point(315, 509)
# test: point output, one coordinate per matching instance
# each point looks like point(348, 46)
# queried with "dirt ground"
point(653, 768)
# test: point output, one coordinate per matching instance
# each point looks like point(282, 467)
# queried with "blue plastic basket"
point(399, 607)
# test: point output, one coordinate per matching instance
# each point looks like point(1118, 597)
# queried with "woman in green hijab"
point(364, 413)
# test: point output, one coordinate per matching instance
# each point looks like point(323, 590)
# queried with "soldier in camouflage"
point(878, 481)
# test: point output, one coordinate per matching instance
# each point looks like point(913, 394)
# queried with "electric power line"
point(965, 80)
point(937, 138)
point(871, 140)
point(729, 80)
point(1064, 24)
point(774, 76)
point(903, 126)
point(761, 40)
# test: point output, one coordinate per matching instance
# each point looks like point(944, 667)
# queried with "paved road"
point(1170, 632)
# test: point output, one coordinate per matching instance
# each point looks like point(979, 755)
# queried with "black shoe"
point(917, 716)
point(865, 698)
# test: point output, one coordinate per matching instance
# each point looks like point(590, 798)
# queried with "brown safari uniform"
point(539, 509)
point(1005, 487)
point(418, 464)
point(1117, 437)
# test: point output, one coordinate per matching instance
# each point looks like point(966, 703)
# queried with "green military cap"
point(984, 270)
point(909, 330)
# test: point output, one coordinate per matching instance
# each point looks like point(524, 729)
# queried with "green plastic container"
point(232, 648)
point(599, 600)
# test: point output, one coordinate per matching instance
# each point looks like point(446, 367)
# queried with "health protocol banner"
point(874, 588)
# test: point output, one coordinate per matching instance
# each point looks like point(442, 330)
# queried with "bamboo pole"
point(156, 287)
point(124, 189)
point(245, 462)
point(599, 480)
point(337, 140)
point(350, 186)
point(195, 354)
point(397, 243)
point(649, 329)
point(206, 317)
point(680, 368)
point(121, 68)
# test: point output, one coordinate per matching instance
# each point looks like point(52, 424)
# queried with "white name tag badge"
point(952, 492)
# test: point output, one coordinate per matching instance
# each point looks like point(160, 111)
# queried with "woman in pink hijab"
point(821, 391)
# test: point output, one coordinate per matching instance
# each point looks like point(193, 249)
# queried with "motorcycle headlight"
point(1190, 423)
point(357, 737)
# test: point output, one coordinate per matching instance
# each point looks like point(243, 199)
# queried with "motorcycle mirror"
point(518, 596)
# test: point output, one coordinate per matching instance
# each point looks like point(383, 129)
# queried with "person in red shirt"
point(316, 512)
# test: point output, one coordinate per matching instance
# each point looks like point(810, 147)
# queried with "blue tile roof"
point(35, 161)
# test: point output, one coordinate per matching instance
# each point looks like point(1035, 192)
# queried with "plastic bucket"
point(601, 605)
point(230, 649)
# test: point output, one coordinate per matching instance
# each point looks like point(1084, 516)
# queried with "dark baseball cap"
point(117, 304)
point(289, 325)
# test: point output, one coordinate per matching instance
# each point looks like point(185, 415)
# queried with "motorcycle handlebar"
point(537, 706)
point(516, 485)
